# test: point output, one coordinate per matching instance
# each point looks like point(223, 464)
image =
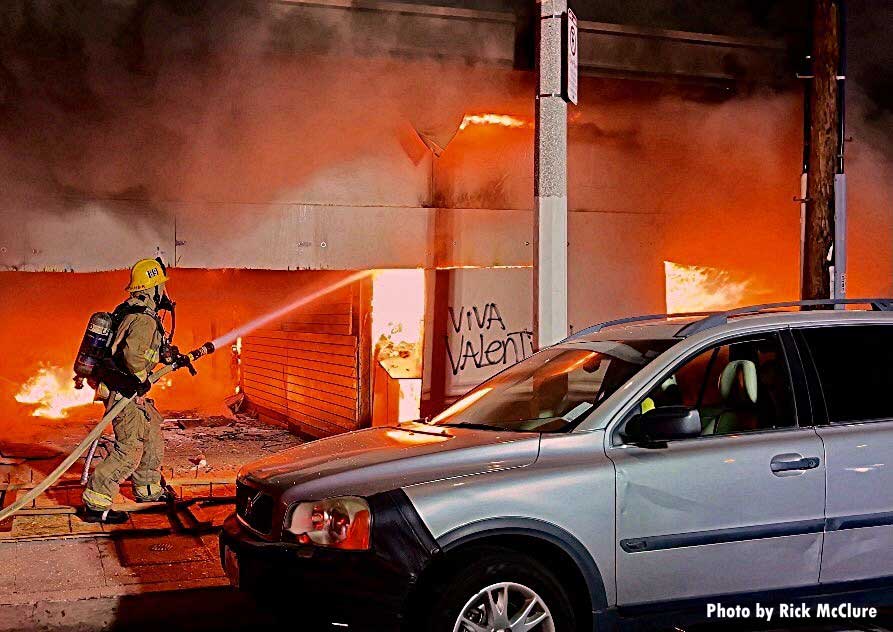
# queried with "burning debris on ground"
point(52, 393)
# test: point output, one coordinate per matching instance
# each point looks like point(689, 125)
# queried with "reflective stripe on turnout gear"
point(647, 404)
point(96, 501)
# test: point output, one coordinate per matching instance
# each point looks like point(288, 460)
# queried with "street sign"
point(571, 55)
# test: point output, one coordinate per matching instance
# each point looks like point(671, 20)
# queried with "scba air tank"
point(93, 348)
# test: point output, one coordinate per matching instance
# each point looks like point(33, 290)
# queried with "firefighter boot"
point(98, 508)
point(108, 516)
point(152, 494)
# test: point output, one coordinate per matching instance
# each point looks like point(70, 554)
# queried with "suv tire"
point(526, 579)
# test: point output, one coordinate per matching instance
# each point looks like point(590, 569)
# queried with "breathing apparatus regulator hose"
point(114, 411)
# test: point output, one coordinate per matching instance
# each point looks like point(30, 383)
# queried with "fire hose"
point(181, 361)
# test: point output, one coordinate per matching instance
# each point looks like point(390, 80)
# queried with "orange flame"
point(237, 364)
point(702, 289)
point(398, 314)
point(52, 389)
point(504, 120)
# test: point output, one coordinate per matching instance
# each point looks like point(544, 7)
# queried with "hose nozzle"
point(205, 349)
point(185, 361)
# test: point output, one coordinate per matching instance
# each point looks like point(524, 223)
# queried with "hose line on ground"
point(110, 414)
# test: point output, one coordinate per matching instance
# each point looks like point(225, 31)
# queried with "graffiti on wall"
point(480, 338)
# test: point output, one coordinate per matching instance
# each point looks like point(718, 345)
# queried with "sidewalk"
point(159, 570)
point(121, 581)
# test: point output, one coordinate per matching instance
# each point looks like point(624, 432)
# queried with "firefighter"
point(135, 350)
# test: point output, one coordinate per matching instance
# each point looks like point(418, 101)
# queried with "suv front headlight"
point(341, 523)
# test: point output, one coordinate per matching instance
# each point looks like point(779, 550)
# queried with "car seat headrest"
point(738, 381)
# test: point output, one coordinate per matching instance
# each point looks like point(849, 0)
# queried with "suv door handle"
point(780, 464)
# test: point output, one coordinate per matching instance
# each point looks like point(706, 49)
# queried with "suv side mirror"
point(659, 425)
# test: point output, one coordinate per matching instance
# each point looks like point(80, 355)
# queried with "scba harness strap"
point(110, 370)
point(126, 309)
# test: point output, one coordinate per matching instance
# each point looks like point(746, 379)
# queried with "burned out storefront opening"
point(296, 349)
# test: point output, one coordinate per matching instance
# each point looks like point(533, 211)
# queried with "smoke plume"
point(215, 100)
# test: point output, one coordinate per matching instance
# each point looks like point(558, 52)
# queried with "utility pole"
point(824, 223)
point(550, 176)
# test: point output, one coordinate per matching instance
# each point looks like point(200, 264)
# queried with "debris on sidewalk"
point(202, 445)
point(202, 458)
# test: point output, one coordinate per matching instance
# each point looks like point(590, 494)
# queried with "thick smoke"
point(871, 56)
point(240, 100)
point(170, 103)
point(214, 100)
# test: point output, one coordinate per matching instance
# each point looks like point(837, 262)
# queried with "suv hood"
point(366, 462)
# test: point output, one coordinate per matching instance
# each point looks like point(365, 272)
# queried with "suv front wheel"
point(502, 591)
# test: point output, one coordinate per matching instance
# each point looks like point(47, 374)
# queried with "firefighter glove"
point(143, 387)
point(132, 387)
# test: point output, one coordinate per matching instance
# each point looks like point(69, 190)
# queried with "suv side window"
point(739, 386)
point(855, 370)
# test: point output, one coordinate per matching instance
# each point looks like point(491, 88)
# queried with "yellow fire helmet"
point(145, 274)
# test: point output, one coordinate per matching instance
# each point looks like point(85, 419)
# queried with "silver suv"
point(633, 473)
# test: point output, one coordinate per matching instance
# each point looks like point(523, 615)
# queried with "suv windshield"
point(553, 390)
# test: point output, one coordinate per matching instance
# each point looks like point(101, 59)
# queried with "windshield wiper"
point(472, 426)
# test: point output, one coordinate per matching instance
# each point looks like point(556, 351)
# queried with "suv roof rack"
point(632, 319)
point(710, 320)
point(721, 318)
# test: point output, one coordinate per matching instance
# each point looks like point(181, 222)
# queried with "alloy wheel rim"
point(505, 607)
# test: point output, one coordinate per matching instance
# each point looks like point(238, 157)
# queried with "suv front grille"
point(255, 508)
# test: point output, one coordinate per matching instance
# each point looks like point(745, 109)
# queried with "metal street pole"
point(840, 251)
point(550, 181)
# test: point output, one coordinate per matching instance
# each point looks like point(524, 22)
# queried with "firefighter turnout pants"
point(137, 452)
